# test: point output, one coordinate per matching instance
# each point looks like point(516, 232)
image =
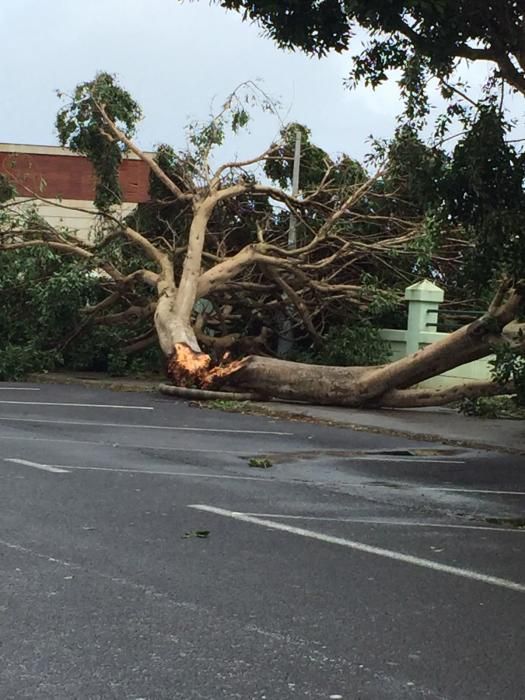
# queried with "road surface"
point(358, 566)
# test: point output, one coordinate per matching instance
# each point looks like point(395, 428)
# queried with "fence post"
point(423, 299)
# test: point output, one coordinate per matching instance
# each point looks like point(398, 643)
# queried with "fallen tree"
point(341, 225)
point(392, 385)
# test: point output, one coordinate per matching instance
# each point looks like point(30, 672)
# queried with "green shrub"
point(354, 346)
point(492, 407)
point(347, 346)
point(17, 361)
point(509, 366)
point(42, 296)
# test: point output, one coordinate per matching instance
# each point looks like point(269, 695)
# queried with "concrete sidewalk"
point(443, 424)
point(433, 424)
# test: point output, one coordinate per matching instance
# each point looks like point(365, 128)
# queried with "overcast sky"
point(175, 58)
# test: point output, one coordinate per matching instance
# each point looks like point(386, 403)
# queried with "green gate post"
point(423, 299)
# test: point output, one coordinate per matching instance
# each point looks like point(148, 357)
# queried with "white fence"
point(424, 299)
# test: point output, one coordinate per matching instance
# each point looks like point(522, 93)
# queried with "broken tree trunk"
point(390, 384)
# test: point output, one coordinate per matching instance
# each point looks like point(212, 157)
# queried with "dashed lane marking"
point(66, 469)
point(36, 465)
point(18, 388)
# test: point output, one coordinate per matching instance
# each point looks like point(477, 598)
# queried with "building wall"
point(80, 222)
point(55, 173)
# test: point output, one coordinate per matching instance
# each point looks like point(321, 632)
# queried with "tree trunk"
point(385, 385)
point(175, 306)
point(173, 328)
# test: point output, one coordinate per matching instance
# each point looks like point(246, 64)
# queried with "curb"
point(424, 437)
point(271, 409)
point(112, 384)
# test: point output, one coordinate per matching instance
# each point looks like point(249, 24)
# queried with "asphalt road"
point(359, 566)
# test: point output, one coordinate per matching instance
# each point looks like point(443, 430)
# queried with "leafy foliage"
point(509, 365)
point(80, 126)
point(492, 407)
point(7, 189)
point(348, 346)
point(484, 195)
point(42, 325)
point(17, 361)
point(416, 36)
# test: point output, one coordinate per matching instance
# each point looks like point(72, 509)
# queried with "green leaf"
point(196, 533)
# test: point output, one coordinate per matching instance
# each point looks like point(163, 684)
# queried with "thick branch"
point(418, 398)
point(150, 162)
point(297, 302)
point(141, 343)
point(153, 253)
point(54, 245)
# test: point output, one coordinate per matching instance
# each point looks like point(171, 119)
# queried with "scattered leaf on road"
point(260, 463)
point(196, 533)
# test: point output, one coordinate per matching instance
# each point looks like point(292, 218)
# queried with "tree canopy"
point(412, 35)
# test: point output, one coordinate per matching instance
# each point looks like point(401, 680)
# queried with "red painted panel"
point(69, 177)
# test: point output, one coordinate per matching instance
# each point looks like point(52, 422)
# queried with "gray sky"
point(175, 58)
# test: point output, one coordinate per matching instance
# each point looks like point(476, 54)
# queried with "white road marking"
point(309, 649)
point(368, 549)
point(36, 465)
point(141, 427)
point(191, 475)
point(388, 521)
point(417, 460)
point(125, 445)
point(18, 388)
point(421, 487)
point(78, 405)
point(446, 488)
point(195, 475)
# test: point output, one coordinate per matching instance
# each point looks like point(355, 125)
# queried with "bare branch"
point(241, 164)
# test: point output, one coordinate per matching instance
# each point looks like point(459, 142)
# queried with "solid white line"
point(36, 465)
point(141, 427)
point(77, 405)
point(18, 388)
point(388, 521)
point(368, 549)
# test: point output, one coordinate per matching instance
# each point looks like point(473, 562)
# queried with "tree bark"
point(343, 386)
point(172, 326)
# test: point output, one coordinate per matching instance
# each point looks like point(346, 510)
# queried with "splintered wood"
point(188, 368)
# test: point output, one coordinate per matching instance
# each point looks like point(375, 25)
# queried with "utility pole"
point(292, 231)
point(285, 343)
